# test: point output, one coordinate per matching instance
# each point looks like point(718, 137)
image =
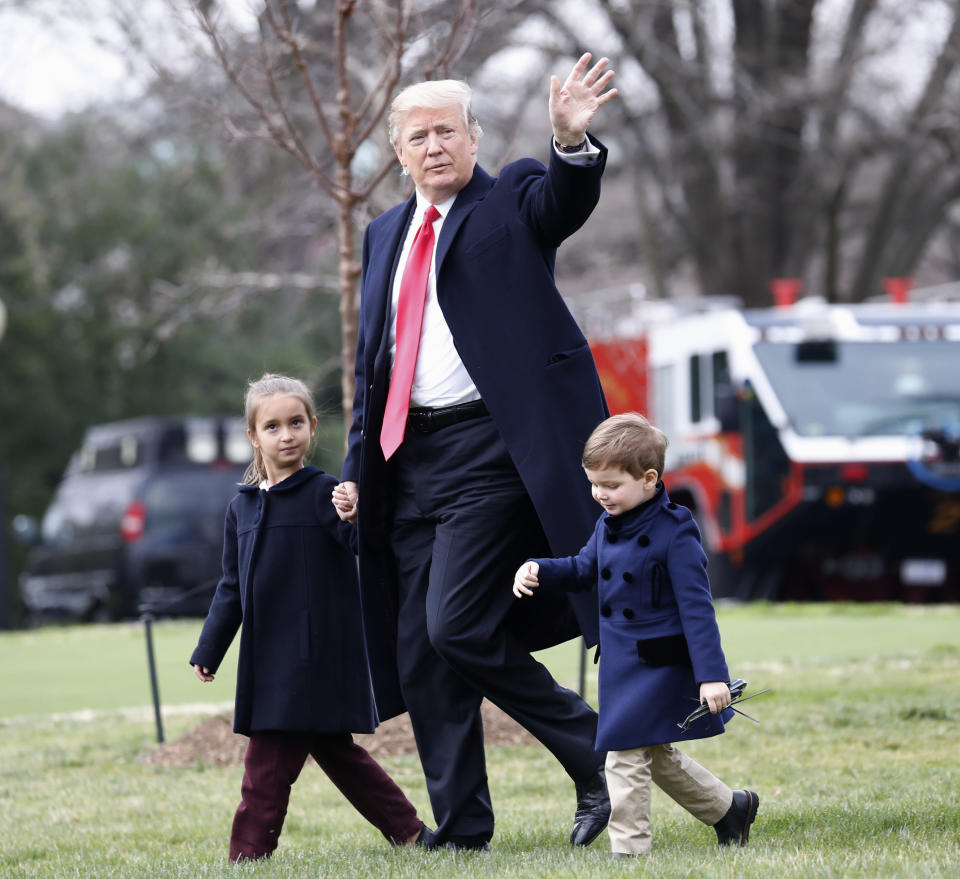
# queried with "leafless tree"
point(786, 138)
point(347, 75)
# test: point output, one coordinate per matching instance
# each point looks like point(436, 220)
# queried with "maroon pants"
point(273, 763)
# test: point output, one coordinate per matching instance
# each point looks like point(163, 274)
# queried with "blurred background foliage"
point(158, 251)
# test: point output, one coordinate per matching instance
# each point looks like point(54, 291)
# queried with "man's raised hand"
point(574, 102)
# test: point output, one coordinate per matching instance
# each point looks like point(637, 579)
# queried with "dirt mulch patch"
point(214, 742)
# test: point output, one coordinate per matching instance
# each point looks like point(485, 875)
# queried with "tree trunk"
point(349, 271)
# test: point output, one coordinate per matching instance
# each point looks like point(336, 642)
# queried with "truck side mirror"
point(727, 407)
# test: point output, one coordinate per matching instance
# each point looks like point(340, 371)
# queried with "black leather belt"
point(424, 420)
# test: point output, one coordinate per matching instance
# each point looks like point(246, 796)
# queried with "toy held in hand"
point(737, 688)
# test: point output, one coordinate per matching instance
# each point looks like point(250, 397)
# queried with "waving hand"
point(574, 103)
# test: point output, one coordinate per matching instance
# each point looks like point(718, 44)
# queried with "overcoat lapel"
point(384, 268)
point(466, 201)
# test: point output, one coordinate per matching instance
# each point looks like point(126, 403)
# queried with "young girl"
point(290, 586)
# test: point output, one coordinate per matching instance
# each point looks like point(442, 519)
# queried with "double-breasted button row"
point(643, 540)
point(606, 574)
point(607, 611)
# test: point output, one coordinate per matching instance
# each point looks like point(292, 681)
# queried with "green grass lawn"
point(855, 760)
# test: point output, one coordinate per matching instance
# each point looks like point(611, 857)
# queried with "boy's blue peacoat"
point(290, 585)
point(652, 576)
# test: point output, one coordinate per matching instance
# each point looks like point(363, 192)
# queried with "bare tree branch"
point(872, 265)
point(302, 152)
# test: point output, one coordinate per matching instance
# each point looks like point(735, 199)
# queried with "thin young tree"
point(318, 85)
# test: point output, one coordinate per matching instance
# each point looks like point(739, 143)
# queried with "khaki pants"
point(629, 774)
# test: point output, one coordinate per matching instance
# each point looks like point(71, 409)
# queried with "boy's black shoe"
point(734, 827)
point(593, 810)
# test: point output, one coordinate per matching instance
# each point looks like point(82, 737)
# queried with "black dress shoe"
point(457, 846)
point(593, 810)
point(428, 840)
point(734, 827)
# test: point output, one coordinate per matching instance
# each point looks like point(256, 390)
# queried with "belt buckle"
point(419, 422)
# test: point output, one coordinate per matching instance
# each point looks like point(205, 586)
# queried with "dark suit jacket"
point(520, 344)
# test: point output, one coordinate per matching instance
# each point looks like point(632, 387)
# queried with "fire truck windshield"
point(856, 388)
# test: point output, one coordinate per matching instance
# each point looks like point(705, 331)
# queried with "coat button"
point(605, 610)
point(643, 540)
point(605, 573)
point(628, 613)
point(627, 577)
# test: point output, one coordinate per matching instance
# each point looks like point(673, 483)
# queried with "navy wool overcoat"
point(659, 638)
point(290, 586)
point(524, 351)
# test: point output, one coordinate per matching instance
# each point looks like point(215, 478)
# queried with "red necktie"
point(413, 293)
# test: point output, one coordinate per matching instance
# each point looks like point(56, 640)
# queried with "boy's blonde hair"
point(267, 386)
point(627, 441)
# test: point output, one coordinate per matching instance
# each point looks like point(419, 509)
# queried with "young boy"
point(659, 641)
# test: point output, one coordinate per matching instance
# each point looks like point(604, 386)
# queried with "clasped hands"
point(345, 495)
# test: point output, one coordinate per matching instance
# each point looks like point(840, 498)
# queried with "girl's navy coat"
point(654, 596)
point(290, 585)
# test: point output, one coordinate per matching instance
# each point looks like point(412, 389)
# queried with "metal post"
point(148, 628)
point(6, 617)
point(6, 621)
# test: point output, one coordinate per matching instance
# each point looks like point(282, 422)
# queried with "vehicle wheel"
point(759, 580)
point(100, 614)
point(34, 619)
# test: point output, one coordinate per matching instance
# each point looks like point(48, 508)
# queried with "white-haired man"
point(475, 393)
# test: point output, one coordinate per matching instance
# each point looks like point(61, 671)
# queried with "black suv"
point(138, 518)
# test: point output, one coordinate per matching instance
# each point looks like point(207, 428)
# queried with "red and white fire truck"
point(817, 445)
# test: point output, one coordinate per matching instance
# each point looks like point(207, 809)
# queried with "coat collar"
point(304, 474)
point(467, 199)
point(480, 184)
point(638, 517)
point(396, 222)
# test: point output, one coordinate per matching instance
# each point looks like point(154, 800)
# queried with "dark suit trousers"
point(272, 764)
point(463, 524)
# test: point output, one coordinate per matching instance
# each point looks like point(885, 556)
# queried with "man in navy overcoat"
point(488, 472)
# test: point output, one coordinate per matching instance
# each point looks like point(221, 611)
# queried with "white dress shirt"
point(440, 378)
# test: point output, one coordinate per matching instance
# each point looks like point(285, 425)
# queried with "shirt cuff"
point(589, 156)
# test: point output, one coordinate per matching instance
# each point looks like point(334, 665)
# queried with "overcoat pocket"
point(657, 576)
point(491, 239)
point(665, 650)
point(567, 354)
